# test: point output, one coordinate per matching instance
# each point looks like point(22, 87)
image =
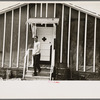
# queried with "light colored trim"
point(43, 20)
point(27, 36)
point(10, 61)
point(35, 10)
point(94, 54)
point(69, 37)
point(46, 10)
point(19, 36)
point(61, 48)
point(27, 28)
point(85, 43)
point(83, 10)
point(27, 59)
point(67, 4)
point(53, 51)
point(4, 40)
point(78, 31)
point(13, 7)
point(46, 14)
point(54, 10)
point(41, 10)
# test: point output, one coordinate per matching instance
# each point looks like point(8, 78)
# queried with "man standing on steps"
point(36, 56)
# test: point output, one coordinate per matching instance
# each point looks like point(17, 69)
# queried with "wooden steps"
point(43, 75)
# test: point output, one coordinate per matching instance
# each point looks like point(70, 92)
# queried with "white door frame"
point(53, 50)
point(52, 54)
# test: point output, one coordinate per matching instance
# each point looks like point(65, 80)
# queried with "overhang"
point(43, 20)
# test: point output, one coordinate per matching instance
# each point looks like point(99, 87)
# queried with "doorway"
point(45, 37)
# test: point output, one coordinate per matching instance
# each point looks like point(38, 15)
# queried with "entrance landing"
point(43, 75)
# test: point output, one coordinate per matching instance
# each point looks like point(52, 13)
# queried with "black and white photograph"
point(49, 49)
point(49, 41)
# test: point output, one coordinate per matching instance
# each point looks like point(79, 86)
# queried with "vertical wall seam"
point(94, 55)
point(61, 48)
point(46, 10)
point(54, 10)
point(41, 10)
point(10, 61)
point(69, 37)
point(27, 27)
point(19, 37)
point(78, 31)
point(27, 31)
point(85, 43)
point(4, 40)
point(35, 11)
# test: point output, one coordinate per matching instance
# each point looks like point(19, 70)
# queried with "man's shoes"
point(34, 74)
point(39, 70)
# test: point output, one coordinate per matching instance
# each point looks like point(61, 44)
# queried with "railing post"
point(24, 67)
point(28, 59)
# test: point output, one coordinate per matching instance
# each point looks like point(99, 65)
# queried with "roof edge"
point(13, 7)
point(82, 10)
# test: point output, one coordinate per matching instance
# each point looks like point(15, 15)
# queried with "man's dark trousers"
point(36, 65)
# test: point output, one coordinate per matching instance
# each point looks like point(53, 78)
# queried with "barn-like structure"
point(69, 37)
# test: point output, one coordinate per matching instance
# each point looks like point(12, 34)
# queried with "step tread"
point(43, 75)
point(40, 72)
point(31, 79)
point(37, 77)
point(30, 75)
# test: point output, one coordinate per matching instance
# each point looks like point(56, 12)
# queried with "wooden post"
point(35, 10)
point(69, 36)
point(41, 10)
point(27, 33)
point(85, 43)
point(61, 48)
point(19, 37)
point(10, 60)
point(78, 31)
point(54, 10)
point(94, 54)
point(27, 27)
point(4, 40)
point(46, 10)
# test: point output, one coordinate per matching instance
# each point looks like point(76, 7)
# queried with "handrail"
point(24, 65)
point(52, 64)
point(25, 58)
